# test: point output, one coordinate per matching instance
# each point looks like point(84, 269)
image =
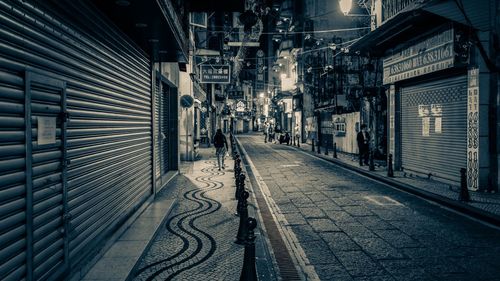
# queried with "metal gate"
point(46, 191)
point(59, 202)
point(165, 127)
point(33, 172)
point(434, 127)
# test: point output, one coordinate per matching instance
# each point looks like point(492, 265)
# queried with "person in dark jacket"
point(363, 139)
point(220, 144)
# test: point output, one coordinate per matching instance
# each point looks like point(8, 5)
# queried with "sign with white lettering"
point(46, 130)
point(259, 81)
point(432, 54)
point(473, 129)
point(220, 74)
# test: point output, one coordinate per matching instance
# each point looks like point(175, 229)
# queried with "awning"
point(403, 27)
point(198, 92)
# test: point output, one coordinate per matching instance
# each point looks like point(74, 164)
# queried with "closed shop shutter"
point(108, 173)
point(12, 177)
point(429, 145)
point(165, 128)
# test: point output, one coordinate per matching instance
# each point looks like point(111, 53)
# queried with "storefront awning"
point(403, 27)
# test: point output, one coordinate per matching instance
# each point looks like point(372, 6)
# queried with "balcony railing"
point(393, 7)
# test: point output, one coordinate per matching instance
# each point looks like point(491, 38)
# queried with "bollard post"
point(371, 166)
point(248, 271)
point(243, 211)
point(237, 165)
point(293, 140)
point(390, 171)
point(312, 142)
point(464, 191)
point(326, 147)
point(298, 142)
point(334, 150)
point(240, 187)
point(319, 148)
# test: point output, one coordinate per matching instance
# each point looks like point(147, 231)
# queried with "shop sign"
point(432, 54)
point(219, 74)
point(240, 106)
point(259, 81)
point(473, 129)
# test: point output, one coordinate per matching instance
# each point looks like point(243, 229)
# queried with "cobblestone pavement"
point(352, 228)
point(484, 201)
point(197, 242)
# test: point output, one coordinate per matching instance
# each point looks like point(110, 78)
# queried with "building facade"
point(442, 87)
point(89, 126)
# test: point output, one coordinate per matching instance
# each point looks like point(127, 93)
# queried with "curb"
point(449, 203)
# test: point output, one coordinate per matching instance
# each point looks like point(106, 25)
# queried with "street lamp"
point(345, 6)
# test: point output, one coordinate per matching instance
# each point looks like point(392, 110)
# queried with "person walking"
point(297, 134)
point(266, 132)
point(363, 139)
point(220, 144)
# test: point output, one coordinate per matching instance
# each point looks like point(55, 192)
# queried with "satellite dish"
point(187, 101)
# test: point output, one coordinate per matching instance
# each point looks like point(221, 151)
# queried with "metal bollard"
point(319, 148)
point(312, 142)
point(294, 141)
point(464, 191)
point(334, 150)
point(371, 167)
point(243, 211)
point(298, 142)
point(390, 171)
point(326, 148)
point(237, 165)
point(240, 187)
point(248, 271)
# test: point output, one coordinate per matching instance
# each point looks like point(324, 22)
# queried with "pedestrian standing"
point(220, 144)
point(363, 139)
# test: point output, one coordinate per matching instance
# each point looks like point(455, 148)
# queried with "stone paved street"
point(197, 242)
point(353, 228)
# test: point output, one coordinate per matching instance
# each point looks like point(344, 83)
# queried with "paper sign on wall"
point(426, 122)
point(437, 125)
point(46, 130)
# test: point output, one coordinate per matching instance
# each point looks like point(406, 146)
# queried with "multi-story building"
point(440, 69)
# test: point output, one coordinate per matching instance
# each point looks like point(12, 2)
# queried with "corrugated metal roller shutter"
point(441, 154)
point(109, 130)
point(12, 177)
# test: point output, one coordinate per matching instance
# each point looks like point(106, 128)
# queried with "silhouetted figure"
point(363, 139)
point(220, 144)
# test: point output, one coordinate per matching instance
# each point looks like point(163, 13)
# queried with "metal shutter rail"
point(443, 154)
point(157, 136)
point(108, 135)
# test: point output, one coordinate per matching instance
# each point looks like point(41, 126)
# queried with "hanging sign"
point(219, 74)
point(259, 81)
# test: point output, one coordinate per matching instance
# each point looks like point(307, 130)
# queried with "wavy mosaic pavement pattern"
point(188, 247)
